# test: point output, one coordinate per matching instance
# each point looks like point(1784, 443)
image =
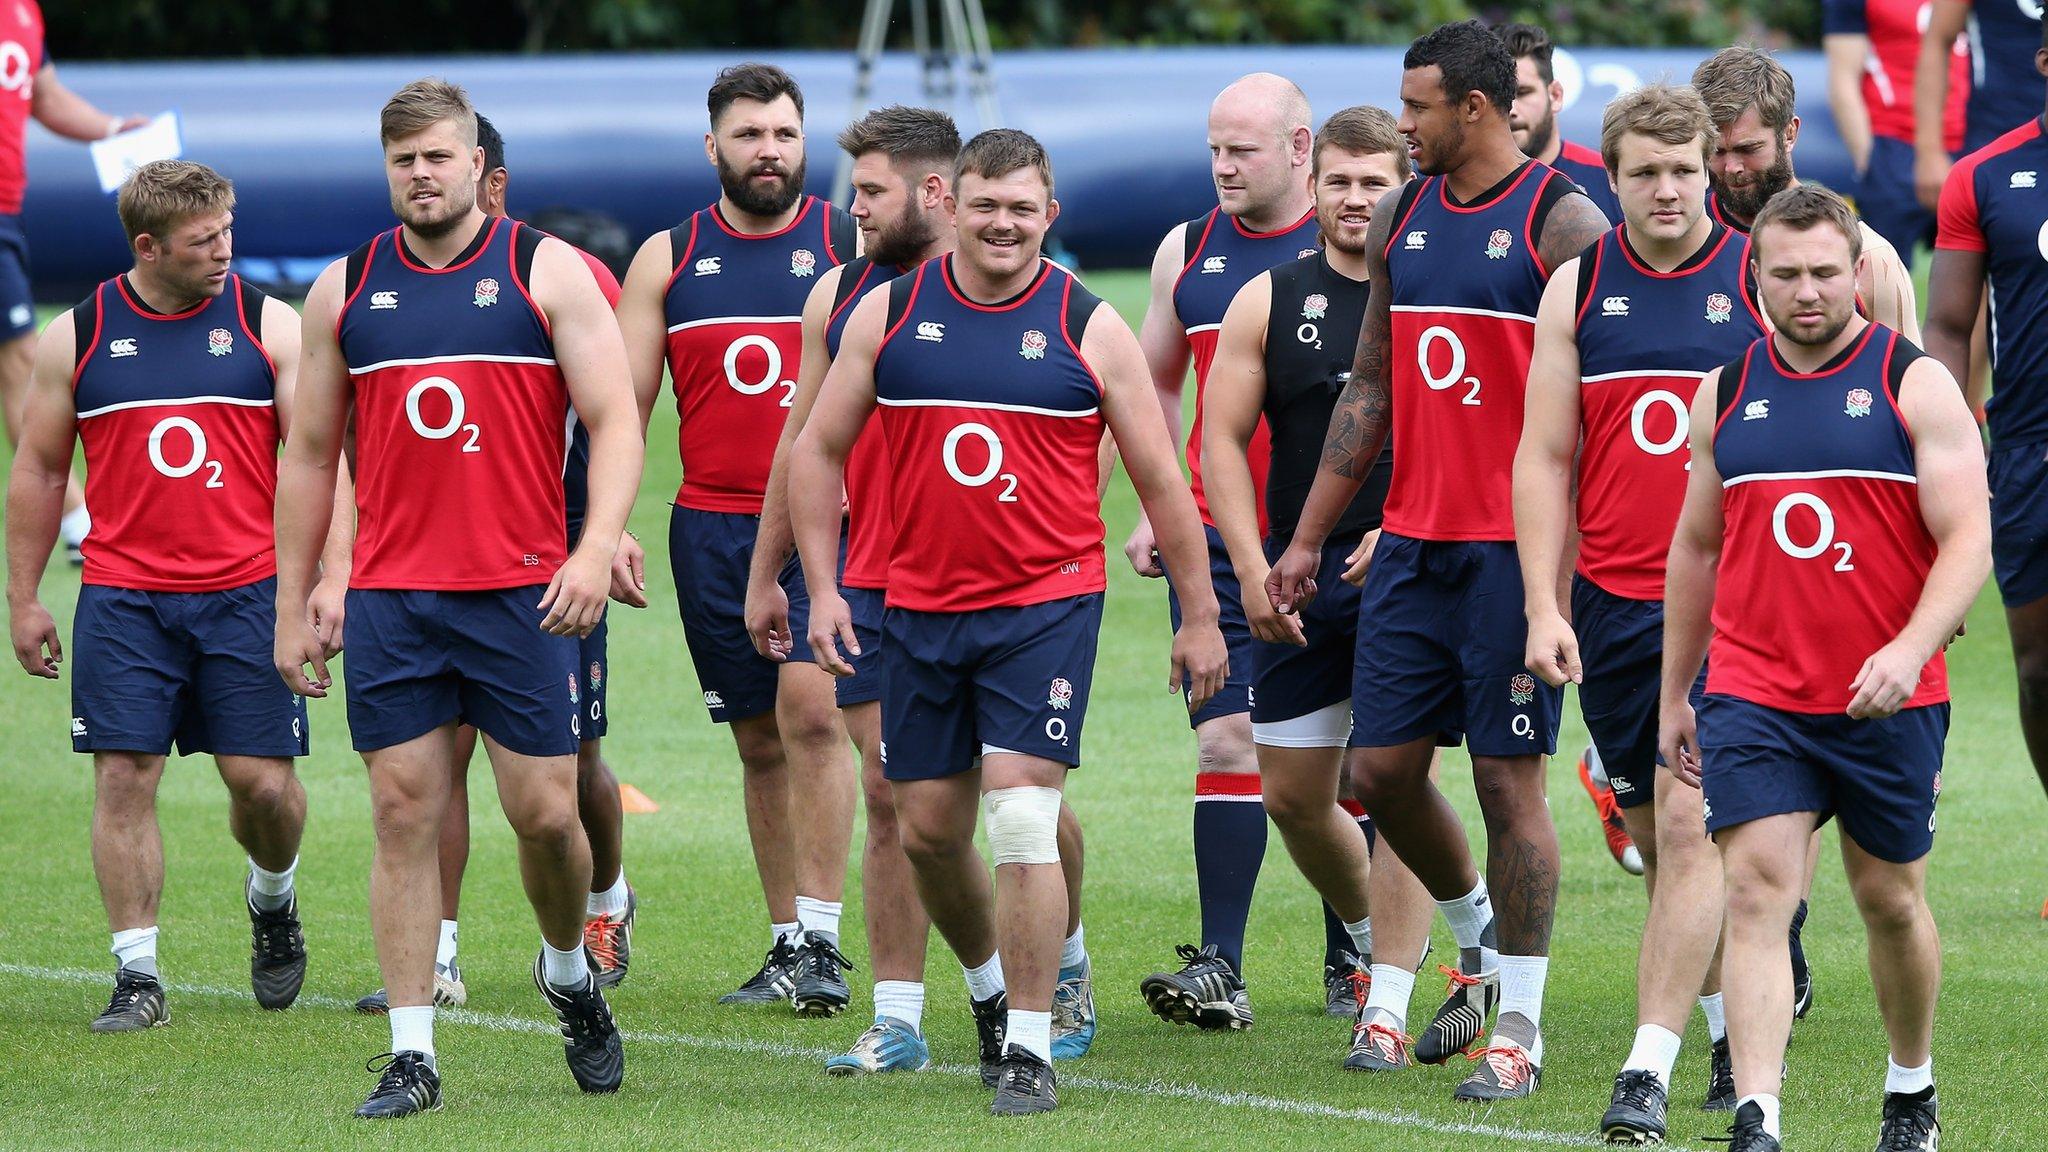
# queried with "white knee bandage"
point(1023, 825)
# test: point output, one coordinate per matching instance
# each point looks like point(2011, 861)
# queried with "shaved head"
point(1262, 97)
point(1259, 150)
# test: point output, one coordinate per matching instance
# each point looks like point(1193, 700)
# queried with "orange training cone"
point(632, 799)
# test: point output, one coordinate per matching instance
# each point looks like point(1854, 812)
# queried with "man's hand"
point(831, 623)
point(1201, 663)
point(1274, 627)
point(328, 606)
point(296, 647)
point(574, 602)
point(35, 640)
point(629, 572)
point(1930, 172)
point(767, 617)
point(1678, 741)
point(1360, 559)
point(1886, 681)
point(1142, 550)
point(1292, 582)
point(1553, 651)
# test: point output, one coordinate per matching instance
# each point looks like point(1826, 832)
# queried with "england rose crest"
point(1062, 696)
point(802, 262)
point(486, 292)
point(596, 675)
point(220, 342)
point(1034, 349)
point(1315, 306)
point(1719, 308)
point(575, 693)
point(1522, 689)
point(1497, 245)
point(1859, 402)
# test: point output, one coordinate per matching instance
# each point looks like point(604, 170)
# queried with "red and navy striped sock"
point(1230, 845)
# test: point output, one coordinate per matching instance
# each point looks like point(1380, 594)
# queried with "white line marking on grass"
point(1162, 1089)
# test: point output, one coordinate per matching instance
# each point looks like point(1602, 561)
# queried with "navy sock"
point(1230, 844)
point(1336, 941)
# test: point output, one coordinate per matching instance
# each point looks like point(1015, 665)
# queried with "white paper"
point(117, 156)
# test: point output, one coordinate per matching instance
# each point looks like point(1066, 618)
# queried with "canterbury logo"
point(1416, 239)
point(383, 300)
point(931, 330)
point(1614, 306)
point(1213, 264)
point(708, 266)
point(1756, 410)
point(122, 347)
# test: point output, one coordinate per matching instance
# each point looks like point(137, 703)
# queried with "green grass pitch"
point(224, 1074)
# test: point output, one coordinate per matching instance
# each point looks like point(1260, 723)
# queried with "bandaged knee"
point(1023, 825)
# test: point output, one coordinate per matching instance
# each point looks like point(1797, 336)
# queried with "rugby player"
point(178, 378)
point(2001, 36)
point(1833, 464)
point(1457, 264)
point(1539, 99)
point(458, 344)
point(719, 301)
point(996, 374)
point(1625, 333)
point(1873, 47)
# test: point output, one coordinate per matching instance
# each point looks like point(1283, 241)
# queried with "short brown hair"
point(1805, 206)
point(1666, 113)
point(1362, 130)
point(1529, 42)
point(909, 136)
point(422, 104)
point(1000, 151)
point(1734, 79)
point(163, 194)
point(762, 83)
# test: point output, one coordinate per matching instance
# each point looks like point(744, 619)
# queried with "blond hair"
point(1666, 113)
point(163, 194)
point(422, 104)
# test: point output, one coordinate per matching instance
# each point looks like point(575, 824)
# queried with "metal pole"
point(874, 32)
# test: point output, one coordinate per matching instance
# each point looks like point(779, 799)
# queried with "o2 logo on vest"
point(415, 414)
point(741, 376)
point(15, 74)
point(990, 470)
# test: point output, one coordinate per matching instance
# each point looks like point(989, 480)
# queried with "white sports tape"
point(1023, 825)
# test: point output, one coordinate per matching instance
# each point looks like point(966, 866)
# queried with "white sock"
point(1908, 1080)
point(610, 902)
point(1361, 936)
point(1468, 916)
point(1074, 952)
point(1392, 987)
point(1769, 1104)
point(987, 980)
point(75, 525)
point(444, 952)
point(1521, 986)
point(820, 916)
point(1717, 1017)
point(412, 1030)
point(563, 969)
point(1031, 1031)
point(902, 1001)
point(135, 948)
point(784, 933)
point(1655, 1052)
point(268, 890)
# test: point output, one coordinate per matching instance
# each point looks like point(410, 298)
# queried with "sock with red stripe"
point(1230, 845)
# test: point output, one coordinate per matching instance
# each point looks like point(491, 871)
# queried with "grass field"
point(225, 1074)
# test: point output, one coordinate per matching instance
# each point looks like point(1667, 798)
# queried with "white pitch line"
point(1162, 1089)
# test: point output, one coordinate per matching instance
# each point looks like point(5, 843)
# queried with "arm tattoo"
point(1365, 411)
point(1573, 223)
